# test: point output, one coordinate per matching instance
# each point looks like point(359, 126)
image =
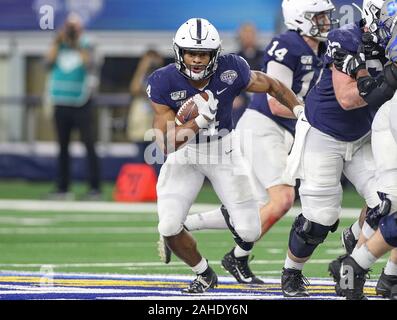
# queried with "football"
point(188, 110)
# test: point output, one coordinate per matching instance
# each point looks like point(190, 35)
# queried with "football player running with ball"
point(295, 58)
point(204, 146)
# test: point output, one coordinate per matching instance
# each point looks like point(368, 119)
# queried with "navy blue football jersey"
point(322, 108)
point(291, 50)
point(169, 87)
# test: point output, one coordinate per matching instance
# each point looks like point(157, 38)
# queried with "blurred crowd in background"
point(112, 46)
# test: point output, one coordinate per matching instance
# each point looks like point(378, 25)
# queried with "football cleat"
point(355, 290)
point(203, 282)
point(163, 250)
point(393, 295)
point(293, 283)
point(348, 240)
point(334, 271)
point(385, 284)
point(239, 268)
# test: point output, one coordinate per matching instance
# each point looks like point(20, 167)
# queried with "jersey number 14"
point(279, 53)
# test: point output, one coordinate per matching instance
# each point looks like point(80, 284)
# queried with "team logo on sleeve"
point(307, 59)
point(229, 76)
point(178, 95)
point(307, 63)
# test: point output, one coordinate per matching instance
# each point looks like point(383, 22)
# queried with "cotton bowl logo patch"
point(178, 95)
point(229, 76)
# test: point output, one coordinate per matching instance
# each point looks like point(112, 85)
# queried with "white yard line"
point(81, 206)
point(147, 264)
point(84, 206)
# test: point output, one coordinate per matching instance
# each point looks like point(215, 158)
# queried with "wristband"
point(297, 110)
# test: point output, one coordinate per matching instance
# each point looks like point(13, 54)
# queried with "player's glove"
point(370, 46)
point(347, 63)
point(207, 109)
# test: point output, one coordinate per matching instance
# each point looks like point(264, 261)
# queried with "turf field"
point(125, 242)
point(100, 238)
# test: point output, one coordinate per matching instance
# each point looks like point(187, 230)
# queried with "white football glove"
point(207, 109)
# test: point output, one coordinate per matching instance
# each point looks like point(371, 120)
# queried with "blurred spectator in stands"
point(250, 51)
point(140, 117)
point(249, 48)
point(70, 61)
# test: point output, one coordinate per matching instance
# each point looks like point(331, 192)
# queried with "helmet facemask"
point(187, 71)
point(322, 24)
point(386, 23)
point(385, 30)
point(372, 15)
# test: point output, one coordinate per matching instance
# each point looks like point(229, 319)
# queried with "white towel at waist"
point(294, 169)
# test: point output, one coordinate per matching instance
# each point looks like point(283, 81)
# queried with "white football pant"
point(385, 151)
point(266, 152)
point(182, 176)
point(323, 160)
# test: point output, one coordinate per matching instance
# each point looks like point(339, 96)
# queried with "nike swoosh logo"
point(228, 152)
point(246, 280)
point(220, 92)
point(213, 111)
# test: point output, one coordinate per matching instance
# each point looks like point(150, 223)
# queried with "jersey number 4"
point(279, 53)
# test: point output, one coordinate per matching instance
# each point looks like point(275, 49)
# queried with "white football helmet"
point(386, 25)
point(197, 34)
point(299, 16)
point(371, 12)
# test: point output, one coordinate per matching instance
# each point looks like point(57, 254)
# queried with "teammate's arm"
point(169, 136)
point(260, 82)
point(346, 91)
point(286, 76)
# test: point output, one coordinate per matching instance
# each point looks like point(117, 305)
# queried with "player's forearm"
point(179, 135)
point(348, 96)
point(279, 110)
point(262, 83)
point(283, 94)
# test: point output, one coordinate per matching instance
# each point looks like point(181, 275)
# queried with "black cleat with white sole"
point(352, 277)
point(348, 240)
point(385, 284)
point(393, 295)
point(204, 281)
point(294, 283)
point(334, 271)
point(239, 268)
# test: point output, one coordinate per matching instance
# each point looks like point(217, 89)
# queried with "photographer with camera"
point(70, 62)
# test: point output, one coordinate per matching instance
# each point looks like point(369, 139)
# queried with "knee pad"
point(381, 210)
point(247, 246)
point(168, 228)
point(388, 229)
point(248, 235)
point(172, 211)
point(306, 235)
